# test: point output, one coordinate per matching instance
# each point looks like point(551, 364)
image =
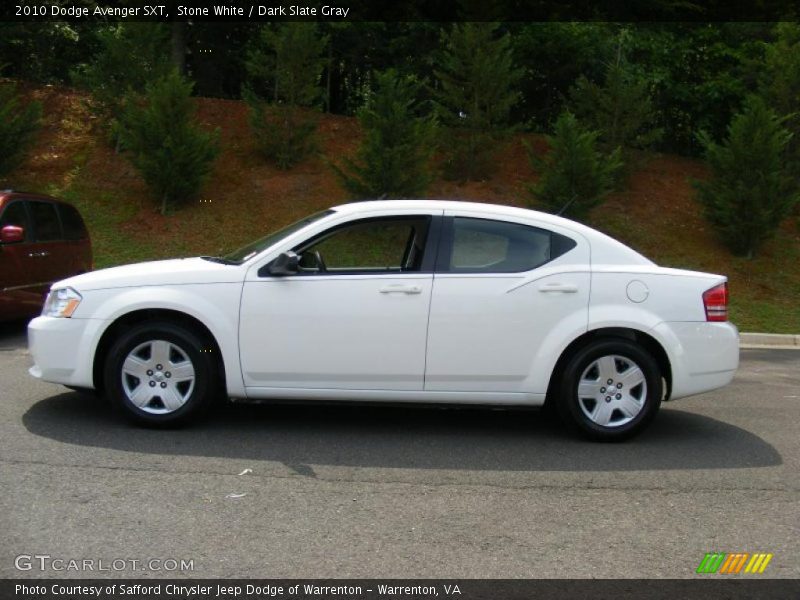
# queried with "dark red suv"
point(42, 240)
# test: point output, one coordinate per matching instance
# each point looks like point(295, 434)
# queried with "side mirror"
point(285, 264)
point(11, 234)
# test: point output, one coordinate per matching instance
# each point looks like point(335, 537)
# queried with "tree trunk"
point(179, 46)
point(328, 79)
point(164, 204)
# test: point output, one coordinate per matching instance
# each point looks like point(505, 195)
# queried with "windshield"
point(250, 250)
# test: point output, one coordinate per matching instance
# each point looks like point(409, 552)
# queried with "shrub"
point(575, 176)
point(476, 91)
point(751, 189)
point(620, 109)
point(283, 134)
point(131, 56)
point(285, 64)
point(18, 126)
point(394, 158)
point(171, 152)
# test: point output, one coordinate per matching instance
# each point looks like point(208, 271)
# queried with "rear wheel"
point(160, 373)
point(610, 391)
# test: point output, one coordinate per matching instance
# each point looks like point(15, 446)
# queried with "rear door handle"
point(401, 289)
point(564, 288)
point(38, 254)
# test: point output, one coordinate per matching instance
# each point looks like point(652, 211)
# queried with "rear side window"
point(15, 214)
point(487, 246)
point(71, 221)
point(46, 225)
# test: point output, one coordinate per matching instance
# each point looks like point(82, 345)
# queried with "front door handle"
point(38, 254)
point(564, 288)
point(401, 289)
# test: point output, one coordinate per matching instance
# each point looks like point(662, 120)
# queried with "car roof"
point(9, 194)
point(614, 250)
point(496, 210)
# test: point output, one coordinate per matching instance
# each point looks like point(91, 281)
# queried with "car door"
point(48, 260)
point(20, 291)
point(353, 317)
point(504, 294)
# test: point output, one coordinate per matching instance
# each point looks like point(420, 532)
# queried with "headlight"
point(61, 303)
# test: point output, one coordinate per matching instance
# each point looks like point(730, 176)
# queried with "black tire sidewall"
point(568, 404)
point(196, 350)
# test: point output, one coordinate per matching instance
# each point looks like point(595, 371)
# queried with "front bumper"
point(63, 349)
point(704, 356)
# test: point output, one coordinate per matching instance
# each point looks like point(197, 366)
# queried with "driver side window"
point(370, 245)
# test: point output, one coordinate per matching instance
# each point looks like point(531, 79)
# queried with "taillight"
point(715, 301)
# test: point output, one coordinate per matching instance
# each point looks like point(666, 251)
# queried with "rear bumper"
point(704, 356)
point(62, 350)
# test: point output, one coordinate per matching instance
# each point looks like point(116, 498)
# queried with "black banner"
point(407, 10)
point(411, 589)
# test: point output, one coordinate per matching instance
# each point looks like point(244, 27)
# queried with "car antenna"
point(566, 206)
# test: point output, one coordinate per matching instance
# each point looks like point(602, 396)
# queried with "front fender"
point(211, 304)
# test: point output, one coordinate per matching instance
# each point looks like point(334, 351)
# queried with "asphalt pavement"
point(346, 491)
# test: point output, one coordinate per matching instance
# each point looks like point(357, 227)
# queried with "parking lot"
point(327, 491)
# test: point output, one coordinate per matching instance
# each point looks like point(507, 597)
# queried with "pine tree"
point(394, 158)
point(18, 126)
point(750, 191)
point(620, 109)
point(171, 152)
point(131, 56)
point(284, 134)
point(780, 84)
point(575, 176)
point(475, 94)
point(285, 65)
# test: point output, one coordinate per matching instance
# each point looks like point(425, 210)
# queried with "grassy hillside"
point(246, 198)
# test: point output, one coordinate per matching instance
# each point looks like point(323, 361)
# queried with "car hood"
point(179, 271)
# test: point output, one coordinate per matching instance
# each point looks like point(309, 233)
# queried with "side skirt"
point(480, 398)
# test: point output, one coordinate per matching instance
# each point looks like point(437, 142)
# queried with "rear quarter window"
point(489, 246)
point(72, 223)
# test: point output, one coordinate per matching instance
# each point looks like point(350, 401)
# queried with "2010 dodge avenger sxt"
point(401, 301)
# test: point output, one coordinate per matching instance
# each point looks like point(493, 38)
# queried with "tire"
point(180, 390)
point(613, 412)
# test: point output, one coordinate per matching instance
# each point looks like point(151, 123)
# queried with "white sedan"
point(398, 301)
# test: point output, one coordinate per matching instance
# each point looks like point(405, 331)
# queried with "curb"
point(769, 340)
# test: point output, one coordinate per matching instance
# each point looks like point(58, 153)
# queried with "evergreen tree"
point(620, 109)
point(284, 134)
point(171, 152)
point(394, 158)
point(575, 176)
point(750, 191)
point(18, 126)
point(131, 56)
point(780, 84)
point(476, 91)
point(285, 65)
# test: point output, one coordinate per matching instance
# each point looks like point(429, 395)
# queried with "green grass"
point(656, 214)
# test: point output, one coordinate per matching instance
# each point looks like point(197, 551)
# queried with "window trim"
point(446, 246)
point(429, 252)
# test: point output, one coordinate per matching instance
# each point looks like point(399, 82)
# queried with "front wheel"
point(610, 391)
point(160, 373)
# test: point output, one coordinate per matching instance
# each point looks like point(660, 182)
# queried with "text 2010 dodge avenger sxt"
point(401, 301)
